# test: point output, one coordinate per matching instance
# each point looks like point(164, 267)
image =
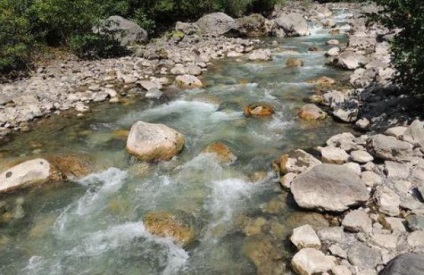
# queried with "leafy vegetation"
point(25, 23)
point(408, 45)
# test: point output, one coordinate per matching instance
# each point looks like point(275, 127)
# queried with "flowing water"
point(94, 226)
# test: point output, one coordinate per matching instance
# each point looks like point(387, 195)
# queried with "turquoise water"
point(94, 226)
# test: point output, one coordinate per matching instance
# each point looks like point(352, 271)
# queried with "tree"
point(408, 45)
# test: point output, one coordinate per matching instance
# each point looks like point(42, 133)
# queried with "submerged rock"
point(166, 224)
point(328, 187)
point(322, 81)
point(71, 166)
point(222, 152)
point(154, 142)
point(310, 112)
point(294, 62)
point(258, 110)
point(31, 172)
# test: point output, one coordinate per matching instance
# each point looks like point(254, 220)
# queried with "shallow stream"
point(95, 226)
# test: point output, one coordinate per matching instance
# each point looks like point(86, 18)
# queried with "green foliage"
point(408, 46)
point(15, 38)
point(95, 46)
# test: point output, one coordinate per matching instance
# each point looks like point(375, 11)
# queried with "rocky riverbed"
point(364, 191)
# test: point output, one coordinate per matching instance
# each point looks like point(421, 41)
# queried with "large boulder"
point(414, 134)
point(351, 60)
point(31, 172)
point(291, 24)
point(390, 148)
point(125, 31)
point(154, 142)
point(405, 264)
point(329, 187)
point(216, 23)
point(252, 26)
point(166, 224)
point(187, 28)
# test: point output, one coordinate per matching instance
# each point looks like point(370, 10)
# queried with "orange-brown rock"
point(323, 81)
point(166, 224)
point(294, 62)
point(69, 166)
point(222, 152)
point(311, 112)
point(258, 110)
point(121, 134)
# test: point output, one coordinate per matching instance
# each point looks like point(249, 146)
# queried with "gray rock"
point(334, 51)
point(297, 161)
point(305, 237)
point(292, 24)
point(328, 187)
point(384, 240)
point(397, 170)
point(355, 167)
point(346, 113)
point(345, 141)
point(351, 60)
point(405, 264)
point(188, 81)
point(395, 224)
point(187, 28)
point(333, 234)
point(125, 31)
point(334, 155)
point(310, 261)
point(216, 23)
point(416, 239)
point(370, 179)
point(341, 270)
point(414, 134)
point(357, 221)
point(337, 251)
point(361, 156)
point(396, 132)
point(260, 55)
point(363, 256)
point(415, 222)
point(388, 201)
point(390, 148)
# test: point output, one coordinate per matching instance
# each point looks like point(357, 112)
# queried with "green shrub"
point(95, 46)
point(15, 38)
point(408, 45)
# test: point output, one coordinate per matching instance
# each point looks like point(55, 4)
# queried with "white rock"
point(260, 55)
point(341, 270)
point(361, 156)
point(335, 51)
point(388, 201)
point(370, 179)
point(188, 81)
point(357, 221)
point(354, 167)
point(310, 261)
point(416, 239)
point(27, 173)
point(154, 142)
point(334, 155)
point(305, 237)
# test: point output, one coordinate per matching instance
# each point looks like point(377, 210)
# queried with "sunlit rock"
point(258, 110)
point(154, 142)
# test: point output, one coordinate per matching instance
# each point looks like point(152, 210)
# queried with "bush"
point(408, 45)
point(95, 46)
point(15, 38)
